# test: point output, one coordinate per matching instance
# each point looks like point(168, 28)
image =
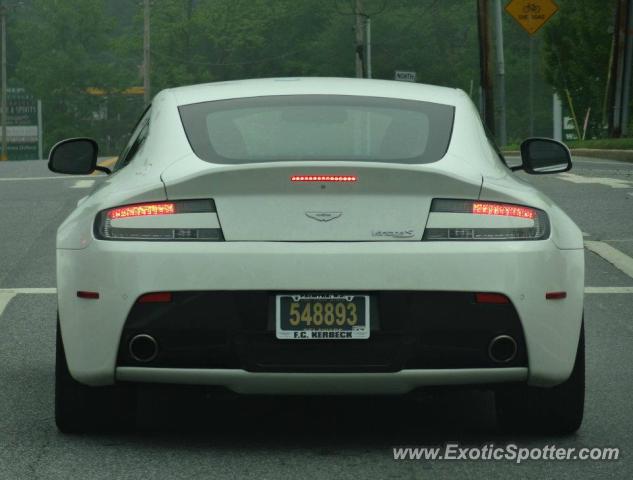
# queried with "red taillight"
point(88, 295)
point(142, 210)
point(555, 295)
point(491, 298)
point(156, 297)
point(325, 178)
point(503, 209)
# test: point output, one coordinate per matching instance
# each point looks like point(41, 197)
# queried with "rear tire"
point(557, 410)
point(82, 409)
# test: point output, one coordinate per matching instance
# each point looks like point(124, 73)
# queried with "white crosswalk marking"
point(610, 182)
point(619, 260)
point(608, 289)
point(5, 298)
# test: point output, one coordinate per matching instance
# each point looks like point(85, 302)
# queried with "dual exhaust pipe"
point(502, 349)
point(143, 348)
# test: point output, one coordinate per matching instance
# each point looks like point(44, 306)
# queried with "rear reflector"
point(502, 209)
point(555, 295)
point(142, 210)
point(157, 297)
point(88, 295)
point(491, 298)
point(325, 178)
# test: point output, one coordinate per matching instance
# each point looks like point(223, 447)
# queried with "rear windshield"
point(318, 127)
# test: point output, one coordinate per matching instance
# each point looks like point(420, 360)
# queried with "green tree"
point(67, 47)
point(576, 53)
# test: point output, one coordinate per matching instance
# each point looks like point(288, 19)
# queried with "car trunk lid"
point(262, 202)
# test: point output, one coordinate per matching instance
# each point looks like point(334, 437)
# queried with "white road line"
point(5, 298)
point(610, 182)
point(612, 255)
point(25, 179)
point(28, 291)
point(83, 184)
point(7, 294)
point(608, 289)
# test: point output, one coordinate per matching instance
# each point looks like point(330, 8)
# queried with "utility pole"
point(486, 67)
point(502, 137)
point(367, 47)
point(531, 91)
point(3, 101)
point(628, 67)
point(621, 63)
point(358, 52)
point(146, 54)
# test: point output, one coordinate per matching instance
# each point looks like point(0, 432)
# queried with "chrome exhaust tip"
point(502, 349)
point(143, 348)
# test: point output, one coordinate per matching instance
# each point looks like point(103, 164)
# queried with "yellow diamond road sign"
point(531, 14)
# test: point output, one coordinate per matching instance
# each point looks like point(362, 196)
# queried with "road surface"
point(183, 435)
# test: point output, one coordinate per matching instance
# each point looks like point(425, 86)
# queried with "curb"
point(605, 154)
point(621, 155)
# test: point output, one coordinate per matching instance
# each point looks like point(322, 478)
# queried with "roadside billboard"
point(23, 125)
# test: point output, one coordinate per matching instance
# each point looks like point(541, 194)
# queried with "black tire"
point(557, 410)
point(83, 409)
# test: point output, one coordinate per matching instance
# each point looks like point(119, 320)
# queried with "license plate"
point(322, 316)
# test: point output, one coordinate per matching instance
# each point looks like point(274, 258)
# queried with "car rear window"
point(318, 127)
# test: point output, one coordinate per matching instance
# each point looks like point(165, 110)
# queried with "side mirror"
point(543, 155)
point(75, 156)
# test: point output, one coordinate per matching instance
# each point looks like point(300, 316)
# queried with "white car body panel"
point(91, 329)
point(275, 383)
point(259, 199)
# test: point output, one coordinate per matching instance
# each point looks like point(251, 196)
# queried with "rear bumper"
point(236, 330)
point(122, 271)
point(402, 382)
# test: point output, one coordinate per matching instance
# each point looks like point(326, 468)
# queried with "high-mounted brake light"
point(142, 210)
point(502, 209)
point(325, 178)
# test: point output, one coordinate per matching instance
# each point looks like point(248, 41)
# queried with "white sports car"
point(318, 236)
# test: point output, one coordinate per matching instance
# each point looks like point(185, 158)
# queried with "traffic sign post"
point(531, 14)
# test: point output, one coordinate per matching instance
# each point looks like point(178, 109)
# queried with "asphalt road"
point(184, 435)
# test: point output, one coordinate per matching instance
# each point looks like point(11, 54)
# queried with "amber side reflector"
point(88, 295)
point(555, 295)
point(156, 297)
point(491, 298)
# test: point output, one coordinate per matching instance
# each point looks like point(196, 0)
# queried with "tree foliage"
point(62, 48)
point(577, 47)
